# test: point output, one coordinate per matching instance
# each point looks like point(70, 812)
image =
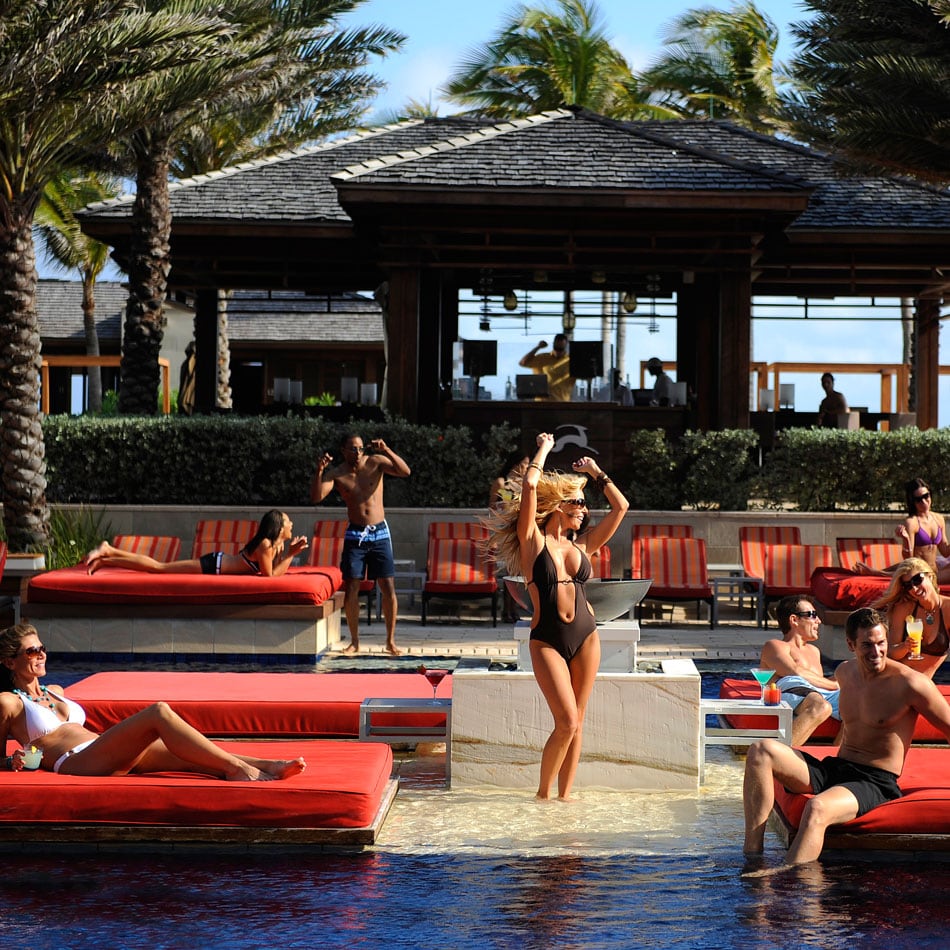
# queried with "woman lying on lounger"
point(263, 554)
point(156, 739)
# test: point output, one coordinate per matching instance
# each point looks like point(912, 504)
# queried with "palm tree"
point(286, 66)
point(721, 64)
point(543, 59)
point(76, 75)
point(875, 76)
point(68, 247)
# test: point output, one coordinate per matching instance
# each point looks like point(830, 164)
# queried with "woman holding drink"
point(915, 607)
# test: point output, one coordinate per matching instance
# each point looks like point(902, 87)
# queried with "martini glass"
point(762, 677)
point(435, 677)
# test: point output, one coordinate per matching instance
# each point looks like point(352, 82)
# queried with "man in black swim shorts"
point(880, 701)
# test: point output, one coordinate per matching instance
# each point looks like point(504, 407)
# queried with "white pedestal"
point(618, 645)
point(642, 730)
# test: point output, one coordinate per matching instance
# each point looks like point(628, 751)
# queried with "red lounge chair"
point(326, 548)
point(877, 553)
point(457, 568)
point(458, 529)
point(788, 567)
point(640, 531)
point(752, 542)
point(677, 567)
point(158, 547)
point(229, 536)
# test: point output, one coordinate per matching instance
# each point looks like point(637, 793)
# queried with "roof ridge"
point(276, 158)
point(454, 142)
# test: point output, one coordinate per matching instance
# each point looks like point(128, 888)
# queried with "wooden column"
point(206, 350)
point(697, 343)
point(735, 350)
point(403, 366)
point(927, 369)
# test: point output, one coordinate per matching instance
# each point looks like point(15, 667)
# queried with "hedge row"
point(256, 461)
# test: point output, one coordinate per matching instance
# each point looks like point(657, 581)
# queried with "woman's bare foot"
point(94, 557)
point(286, 768)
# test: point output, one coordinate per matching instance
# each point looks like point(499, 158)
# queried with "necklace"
point(44, 699)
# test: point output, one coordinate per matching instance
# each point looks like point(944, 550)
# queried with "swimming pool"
point(489, 868)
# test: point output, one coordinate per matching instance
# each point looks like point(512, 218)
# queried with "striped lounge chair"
point(877, 553)
point(788, 567)
point(677, 567)
point(228, 535)
point(640, 531)
point(326, 548)
point(457, 568)
point(158, 547)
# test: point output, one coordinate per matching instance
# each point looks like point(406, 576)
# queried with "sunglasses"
point(576, 502)
point(807, 614)
point(922, 497)
point(33, 651)
point(915, 581)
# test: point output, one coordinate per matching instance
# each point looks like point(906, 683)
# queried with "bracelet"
point(535, 465)
point(602, 481)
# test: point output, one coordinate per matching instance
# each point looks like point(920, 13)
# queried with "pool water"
point(489, 869)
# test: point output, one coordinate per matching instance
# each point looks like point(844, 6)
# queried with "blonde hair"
point(907, 568)
point(553, 488)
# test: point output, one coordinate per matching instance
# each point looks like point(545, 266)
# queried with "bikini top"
point(253, 565)
point(41, 720)
point(922, 539)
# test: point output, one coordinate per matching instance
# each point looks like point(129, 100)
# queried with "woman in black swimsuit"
point(914, 593)
point(544, 529)
point(264, 554)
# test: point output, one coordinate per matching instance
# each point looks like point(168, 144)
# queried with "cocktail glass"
point(762, 677)
point(915, 634)
point(32, 757)
point(435, 677)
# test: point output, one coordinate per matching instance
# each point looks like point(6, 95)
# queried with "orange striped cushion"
point(158, 547)
point(754, 538)
point(790, 565)
point(330, 529)
point(640, 531)
point(600, 563)
point(457, 529)
point(228, 535)
point(677, 566)
point(852, 550)
point(456, 561)
point(880, 555)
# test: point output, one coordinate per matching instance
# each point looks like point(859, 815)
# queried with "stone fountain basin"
point(610, 599)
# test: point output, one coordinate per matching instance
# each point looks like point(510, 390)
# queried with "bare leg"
point(387, 590)
point(831, 807)
point(107, 556)
point(810, 713)
point(351, 607)
point(158, 739)
point(583, 669)
point(767, 760)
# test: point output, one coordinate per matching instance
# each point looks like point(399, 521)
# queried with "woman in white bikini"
point(156, 739)
point(267, 553)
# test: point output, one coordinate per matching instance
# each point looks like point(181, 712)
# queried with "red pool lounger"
point(119, 611)
point(749, 689)
point(920, 821)
point(252, 704)
point(340, 800)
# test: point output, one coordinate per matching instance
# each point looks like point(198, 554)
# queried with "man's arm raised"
point(391, 463)
point(321, 486)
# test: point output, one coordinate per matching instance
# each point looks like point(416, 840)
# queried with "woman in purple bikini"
point(544, 530)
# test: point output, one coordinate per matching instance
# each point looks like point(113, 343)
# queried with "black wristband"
point(602, 481)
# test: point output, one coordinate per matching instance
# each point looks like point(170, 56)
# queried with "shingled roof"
point(59, 311)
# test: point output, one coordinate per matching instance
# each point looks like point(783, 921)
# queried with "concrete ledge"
point(641, 732)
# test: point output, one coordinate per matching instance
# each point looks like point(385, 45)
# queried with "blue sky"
point(440, 32)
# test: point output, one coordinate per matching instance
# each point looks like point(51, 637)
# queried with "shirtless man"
point(359, 480)
point(880, 702)
point(797, 663)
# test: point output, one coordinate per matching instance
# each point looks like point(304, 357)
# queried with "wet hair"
point(553, 488)
point(269, 528)
point(914, 485)
point(907, 568)
point(10, 640)
point(864, 618)
point(787, 606)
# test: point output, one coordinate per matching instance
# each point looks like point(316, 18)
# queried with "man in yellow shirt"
point(555, 365)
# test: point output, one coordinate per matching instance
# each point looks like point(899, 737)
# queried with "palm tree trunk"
point(22, 451)
point(149, 264)
point(908, 354)
point(223, 398)
point(94, 376)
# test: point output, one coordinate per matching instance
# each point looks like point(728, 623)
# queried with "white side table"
point(729, 735)
point(395, 733)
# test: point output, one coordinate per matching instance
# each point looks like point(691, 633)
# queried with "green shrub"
point(717, 468)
